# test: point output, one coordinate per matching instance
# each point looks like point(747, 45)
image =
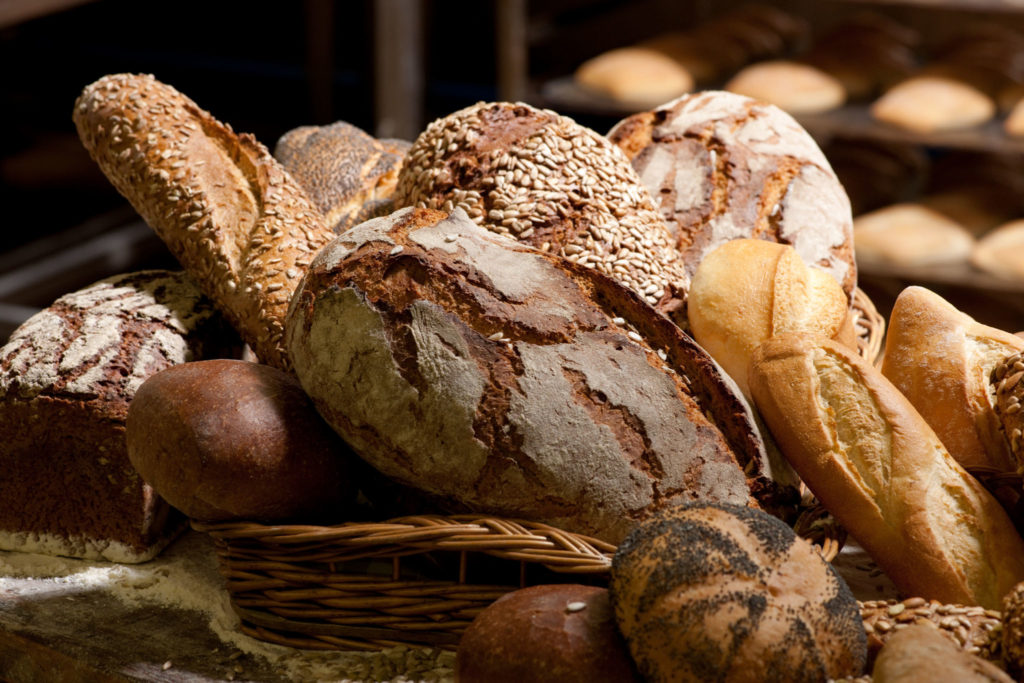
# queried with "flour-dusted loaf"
point(517, 383)
point(547, 181)
point(344, 170)
point(67, 376)
point(723, 166)
point(705, 592)
point(234, 219)
point(876, 465)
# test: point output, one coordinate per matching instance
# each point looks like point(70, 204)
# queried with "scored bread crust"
point(876, 465)
point(231, 215)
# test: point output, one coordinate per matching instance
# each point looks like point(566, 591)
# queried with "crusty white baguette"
point(874, 462)
point(237, 222)
point(941, 359)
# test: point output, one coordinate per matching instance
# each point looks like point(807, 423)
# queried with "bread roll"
point(563, 632)
point(515, 382)
point(718, 592)
point(911, 235)
point(792, 86)
point(636, 75)
point(922, 653)
point(549, 182)
point(975, 630)
point(722, 166)
point(232, 440)
point(236, 221)
point(1001, 252)
point(876, 465)
point(747, 291)
point(931, 103)
point(942, 360)
point(341, 168)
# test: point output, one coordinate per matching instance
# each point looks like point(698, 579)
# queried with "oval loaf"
point(514, 382)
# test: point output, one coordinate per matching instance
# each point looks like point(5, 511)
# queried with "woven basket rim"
point(869, 325)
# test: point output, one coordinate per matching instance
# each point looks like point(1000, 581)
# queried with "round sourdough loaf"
point(725, 593)
point(514, 382)
point(723, 166)
point(547, 181)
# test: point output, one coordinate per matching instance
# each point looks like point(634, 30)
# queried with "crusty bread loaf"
point(941, 359)
point(721, 593)
point(515, 382)
point(547, 181)
point(234, 219)
point(910, 234)
point(341, 168)
point(748, 290)
point(922, 653)
point(556, 632)
point(929, 103)
point(635, 75)
point(67, 376)
point(876, 465)
point(232, 440)
point(722, 166)
point(792, 86)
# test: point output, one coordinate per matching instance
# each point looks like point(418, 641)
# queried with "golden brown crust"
point(234, 218)
point(872, 460)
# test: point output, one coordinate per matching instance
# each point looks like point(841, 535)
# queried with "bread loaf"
point(792, 86)
point(975, 629)
point(747, 291)
point(549, 182)
point(942, 360)
point(1011, 635)
point(560, 632)
point(1001, 252)
point(67, 376)
point(722, 593)
point(929, 103)
point(232, 440)
point(910, 234)
point(517, 383)
point(876, 465)
point(342, 169)
point(722, 166)
point(922, 653)
point(234, 219)
point(636, 75)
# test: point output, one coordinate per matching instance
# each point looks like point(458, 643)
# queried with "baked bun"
point(235, 220)
point(232, 440)
point(514, 382)
point(930, 103)
point(942, 360)
point(875, 464)
point(342, 169)
point(719, 592)
point(1001, 252)
point(910, 234)
point(563, 632)
point(749, 290)
point(792, 86)
point(722, 166)
point(922, 653)
point(546, 181)
point(635, 75)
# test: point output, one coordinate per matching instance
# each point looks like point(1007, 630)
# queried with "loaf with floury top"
point(510, 381)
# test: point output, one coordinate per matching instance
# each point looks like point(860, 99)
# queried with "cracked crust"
point(517, 383)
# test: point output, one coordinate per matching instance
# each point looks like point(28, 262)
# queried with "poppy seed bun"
point(722, 592)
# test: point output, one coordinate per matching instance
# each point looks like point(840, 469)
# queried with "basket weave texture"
point(869, 326)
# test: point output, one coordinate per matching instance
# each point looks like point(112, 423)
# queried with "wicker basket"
point(408, 581)
point(869, 325)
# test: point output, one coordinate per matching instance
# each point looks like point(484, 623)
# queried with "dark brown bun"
point(721, 592)
point(230, 439)
point(562, 632)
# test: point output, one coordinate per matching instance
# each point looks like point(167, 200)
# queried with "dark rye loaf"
point(511, 381)
point(67, 376)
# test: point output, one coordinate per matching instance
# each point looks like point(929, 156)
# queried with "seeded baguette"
point(234, 219)
point(876, 465)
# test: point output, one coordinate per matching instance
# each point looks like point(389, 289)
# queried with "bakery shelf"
point(955, 5)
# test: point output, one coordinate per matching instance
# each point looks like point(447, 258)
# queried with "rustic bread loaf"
point(67, 376)
point(1011, 635)
point(747, 291)
point(910, 234)
point(792, 86)
point(707, 592)
point(922, 653)
point(942, 360)
point(234, 219)
point(928, 103)
point(876, 465)
point(557, 632)
point(341, 168)
point(232, 440)
point(635, 75)
point(722, 166)
point(975, 629)
point(1001, 252)
point(517, 383)
point(547, 181)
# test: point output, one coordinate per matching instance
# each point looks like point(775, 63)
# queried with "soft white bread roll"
point(791, 86)
point(1001, 252)
point(876, 465)
point(941, 359)
point(931, 102)
point(749, 290)
point(637, 75)
point(910, 234)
